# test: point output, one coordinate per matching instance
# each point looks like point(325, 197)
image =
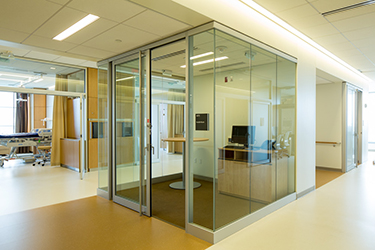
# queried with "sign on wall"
point(201, 122)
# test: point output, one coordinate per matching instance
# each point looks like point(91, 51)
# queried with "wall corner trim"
point(305, 192)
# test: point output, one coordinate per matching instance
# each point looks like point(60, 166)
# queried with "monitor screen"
point(243, 135)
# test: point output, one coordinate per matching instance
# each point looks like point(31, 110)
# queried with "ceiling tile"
point(87, 51)
point(26, 16)
point(303, 23)
point(48, 43)
point(324, 5)
point(321, 31)
point(367, 42)
point(277, 6)
point(353, 22)
point(121, 32)
point(175, 10)
point(41, 55)
point(156, 23)
point(299, 12)
point(338, 46)
point(116, 10)
point(69, 60)
point(59, 22)
point(12, 35)
point(61, 2)
point(331, 39)
point(360, 34)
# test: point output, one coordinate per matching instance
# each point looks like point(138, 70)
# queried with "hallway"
point(338, 215)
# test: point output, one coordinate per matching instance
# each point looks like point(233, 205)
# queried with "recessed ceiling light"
point(201, 55)
point(206, 61)
point(39, 80)
point(124, 79)
point(52, 68)
point(76, 27)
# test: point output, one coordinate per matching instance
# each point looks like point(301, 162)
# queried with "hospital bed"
point(37, 137)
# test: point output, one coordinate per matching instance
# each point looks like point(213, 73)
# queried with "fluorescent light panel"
point(76, 27)
point(206, 61)
point(39, 80)
point(124, 79)
point(201, 55)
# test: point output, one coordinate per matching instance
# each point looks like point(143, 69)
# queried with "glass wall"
point(20, 73)
point(242, 99)
point(103, 129)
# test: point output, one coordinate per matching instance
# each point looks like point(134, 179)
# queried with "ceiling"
point(27, 27)
point(350, 35)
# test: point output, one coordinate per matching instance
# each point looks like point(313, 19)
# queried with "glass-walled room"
point(242, 99)
point(198, 130)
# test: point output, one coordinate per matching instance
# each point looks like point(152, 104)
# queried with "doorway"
point(149, 103)
point(168, 90)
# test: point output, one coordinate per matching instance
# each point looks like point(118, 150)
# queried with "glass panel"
point(32, 74)
point(235, 133)
point(263, 117)
point(168, 121)
point(350, 128)
point(127, 130)
point(201, 154)
point(247, 95)
point(103, 130)
point(286, 130)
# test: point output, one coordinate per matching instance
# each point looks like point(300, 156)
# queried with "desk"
point(260, 175)
point(181, 184)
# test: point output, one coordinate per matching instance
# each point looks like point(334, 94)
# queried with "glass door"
point(129, 134)
point(351, 128)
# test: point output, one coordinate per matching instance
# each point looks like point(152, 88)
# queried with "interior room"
point(40, 130)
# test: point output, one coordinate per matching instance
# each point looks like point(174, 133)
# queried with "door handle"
point(153, 149)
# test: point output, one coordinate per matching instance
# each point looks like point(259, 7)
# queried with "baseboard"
point(69, 167)
point(303, 193)
point(329, 169)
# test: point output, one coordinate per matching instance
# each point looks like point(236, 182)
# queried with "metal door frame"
point(143, 207)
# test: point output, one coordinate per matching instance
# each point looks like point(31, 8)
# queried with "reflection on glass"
point(168, 121)
point(127, 130)
point(24, 73)
point(102, 128)
point(249, 96)
point(350, 129)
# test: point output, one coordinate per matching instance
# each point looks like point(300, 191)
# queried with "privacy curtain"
point(175, 123)
point(22, 118)
point(59, 120)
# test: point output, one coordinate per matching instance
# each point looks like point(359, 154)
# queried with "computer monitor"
point(243, 135)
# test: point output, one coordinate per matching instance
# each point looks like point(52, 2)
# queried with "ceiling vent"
point(350, 7)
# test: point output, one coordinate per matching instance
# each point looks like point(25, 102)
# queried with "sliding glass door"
point(129, 133)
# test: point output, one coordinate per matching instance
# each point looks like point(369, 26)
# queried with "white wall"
point(239, 17)
point(329, 101)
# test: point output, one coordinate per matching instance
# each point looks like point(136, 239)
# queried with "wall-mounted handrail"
point(329, 142)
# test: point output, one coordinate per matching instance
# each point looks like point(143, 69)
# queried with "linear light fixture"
point(350, 7)
point(76, 27)
point(201, 55)
point(39, 80)
point(124, 79)
point(206, 61)
point(251, 4)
